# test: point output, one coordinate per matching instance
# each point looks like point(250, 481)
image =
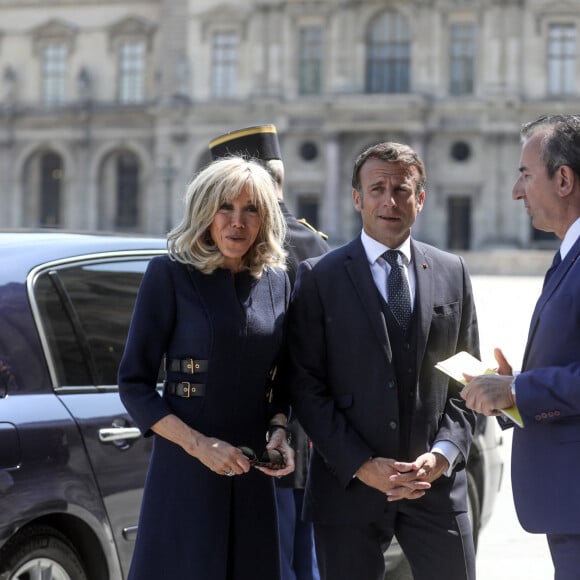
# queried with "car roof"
point(21, 251)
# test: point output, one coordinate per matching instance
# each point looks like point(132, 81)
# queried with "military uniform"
point(302, 241)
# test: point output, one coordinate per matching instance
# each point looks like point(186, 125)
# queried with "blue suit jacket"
point(546, 452)
point(343, 380)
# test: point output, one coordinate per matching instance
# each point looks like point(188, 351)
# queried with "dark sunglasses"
point(270, 458)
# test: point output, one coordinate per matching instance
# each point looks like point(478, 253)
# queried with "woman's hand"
point(219, 456)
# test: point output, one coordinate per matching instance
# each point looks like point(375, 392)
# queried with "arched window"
point(127, 191)
point(388, 54)
point(51, 174)
point(119, 198)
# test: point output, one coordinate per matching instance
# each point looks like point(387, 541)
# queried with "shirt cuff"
point(513, 385)
point(450, 451)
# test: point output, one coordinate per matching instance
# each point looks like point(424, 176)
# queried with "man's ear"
point(420, 200)
point(566, 180)
point(357, 200)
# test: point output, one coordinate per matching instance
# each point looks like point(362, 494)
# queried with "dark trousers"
point(439, 546)
point(565, 551)
point(297, 552)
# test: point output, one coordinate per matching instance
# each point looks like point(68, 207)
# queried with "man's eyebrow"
point(522, 168)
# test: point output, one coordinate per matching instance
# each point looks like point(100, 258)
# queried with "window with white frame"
point(462, 58)
point(54, 64)
point(131, 71)
point(310, 61)
point(561, 59)
point(225, 64)
point(388, 66)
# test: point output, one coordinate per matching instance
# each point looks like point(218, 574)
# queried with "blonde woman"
point(214, 309)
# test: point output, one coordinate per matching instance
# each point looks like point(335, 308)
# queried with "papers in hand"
point(463, 362)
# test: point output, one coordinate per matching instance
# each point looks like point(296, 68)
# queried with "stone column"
point(419, 144)
point(9, 197)
point(329, 221)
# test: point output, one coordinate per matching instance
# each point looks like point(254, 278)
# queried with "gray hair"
point(560, 143)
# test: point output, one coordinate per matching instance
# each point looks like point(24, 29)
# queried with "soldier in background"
point(302, 241)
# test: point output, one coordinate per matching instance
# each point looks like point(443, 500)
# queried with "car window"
point(86, 311)
point(69, 364)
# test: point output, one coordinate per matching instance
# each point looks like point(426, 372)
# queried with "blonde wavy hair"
point(221, 182)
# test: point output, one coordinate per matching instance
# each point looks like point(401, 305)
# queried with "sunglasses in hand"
point(270, 458)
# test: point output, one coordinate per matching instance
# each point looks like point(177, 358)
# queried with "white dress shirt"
point(379, 266)
point(570, 238)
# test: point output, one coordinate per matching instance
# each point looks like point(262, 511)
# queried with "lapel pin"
point(425, 265)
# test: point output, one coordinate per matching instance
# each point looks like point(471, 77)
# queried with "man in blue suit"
point(391, 434)
point(545, 452)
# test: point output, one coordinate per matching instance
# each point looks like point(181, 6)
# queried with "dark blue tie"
point(399, 297)
point(555, 263)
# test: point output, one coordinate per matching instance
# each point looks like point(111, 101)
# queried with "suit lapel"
point(423, 267)
point(359, 272)
point(554, 282)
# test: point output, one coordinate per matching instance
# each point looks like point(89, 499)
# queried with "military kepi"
point(260, 142)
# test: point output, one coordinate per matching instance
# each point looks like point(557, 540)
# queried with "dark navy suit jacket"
point(546, 452)
point(343, 387)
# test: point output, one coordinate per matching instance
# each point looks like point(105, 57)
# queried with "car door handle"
point(110, 434)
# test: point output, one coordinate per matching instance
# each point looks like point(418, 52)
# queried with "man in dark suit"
point(391, 434)
point(302, 241)
point(547, 391)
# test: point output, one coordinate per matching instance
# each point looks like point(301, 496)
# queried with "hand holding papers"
point(464, 363)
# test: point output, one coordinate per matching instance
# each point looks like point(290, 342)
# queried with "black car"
point(72, 462)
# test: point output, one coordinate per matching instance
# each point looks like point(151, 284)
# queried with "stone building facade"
point(107, 106)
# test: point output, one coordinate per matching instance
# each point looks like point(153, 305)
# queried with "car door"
point(85, 308)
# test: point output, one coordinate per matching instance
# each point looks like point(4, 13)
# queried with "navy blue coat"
point(545, 451)
point(193, 521)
